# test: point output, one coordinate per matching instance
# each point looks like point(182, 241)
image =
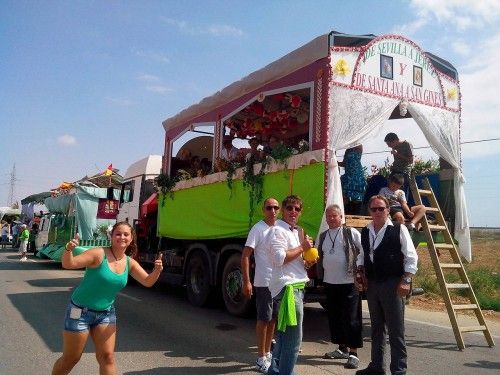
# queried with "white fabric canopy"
point(354, 114)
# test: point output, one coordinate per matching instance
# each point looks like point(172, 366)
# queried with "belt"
point(87, 309)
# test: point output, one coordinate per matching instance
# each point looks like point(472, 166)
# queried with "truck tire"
point(198, 280)
point(232, 281)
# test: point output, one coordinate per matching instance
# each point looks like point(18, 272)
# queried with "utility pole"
point(12, 185)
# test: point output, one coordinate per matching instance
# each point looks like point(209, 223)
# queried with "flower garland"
point(165, 184)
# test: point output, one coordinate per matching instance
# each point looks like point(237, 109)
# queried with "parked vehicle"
point(327, 95)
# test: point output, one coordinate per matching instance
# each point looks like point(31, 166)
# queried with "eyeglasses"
point(293, 208)
point(375, 209)
point(275, 208)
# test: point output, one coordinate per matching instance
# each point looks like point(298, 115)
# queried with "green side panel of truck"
point(214, 211)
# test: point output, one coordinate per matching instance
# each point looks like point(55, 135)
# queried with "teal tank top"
point(99, 286)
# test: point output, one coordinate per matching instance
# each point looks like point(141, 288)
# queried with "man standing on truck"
point(258, 243)
point(287, 285)
point(402, 151)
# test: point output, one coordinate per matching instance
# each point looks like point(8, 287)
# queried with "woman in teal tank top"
point(91, 308)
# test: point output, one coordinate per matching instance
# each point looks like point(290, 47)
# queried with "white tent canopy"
point(354, 114)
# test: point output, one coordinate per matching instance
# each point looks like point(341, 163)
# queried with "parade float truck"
point(330, 94)
point(88, 207)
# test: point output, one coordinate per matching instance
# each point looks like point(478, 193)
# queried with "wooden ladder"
point(440, 226)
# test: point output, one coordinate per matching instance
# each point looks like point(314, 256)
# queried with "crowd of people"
point(19, 235)
point(379, 261)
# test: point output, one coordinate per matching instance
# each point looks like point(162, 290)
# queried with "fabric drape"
point(355, 114)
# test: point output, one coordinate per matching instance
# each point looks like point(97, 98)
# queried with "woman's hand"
point(70, 246)
point(158, 263)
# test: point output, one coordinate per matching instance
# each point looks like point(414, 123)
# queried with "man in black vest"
point(386, 265)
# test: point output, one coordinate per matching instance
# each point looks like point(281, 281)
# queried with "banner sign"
point(393, 66)
point(107, 209)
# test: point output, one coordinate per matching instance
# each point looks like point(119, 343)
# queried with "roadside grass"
point(483, 273)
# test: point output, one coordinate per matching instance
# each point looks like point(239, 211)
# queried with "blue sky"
point(87, 83)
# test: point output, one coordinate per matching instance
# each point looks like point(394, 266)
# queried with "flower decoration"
point(342, 67)
point(452, 93)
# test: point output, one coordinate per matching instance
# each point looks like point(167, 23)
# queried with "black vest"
point(387, 257)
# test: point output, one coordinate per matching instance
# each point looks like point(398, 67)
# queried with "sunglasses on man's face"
point(275, 208)
point(293, 208)
point(375, 209)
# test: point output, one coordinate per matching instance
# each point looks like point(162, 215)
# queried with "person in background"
point(15, 234)
point(258, 243)
point(228, 152)
point(386, 264)
point(338, 250)
point(353, 180)
point(254, 154)
point(287, 285)
point(5, 234)
point(91, 309)
point(23, 242)
point(402, 151)
point(33, 233)
point(271, 144)
point(399, 209)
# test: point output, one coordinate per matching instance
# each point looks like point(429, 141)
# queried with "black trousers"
point(344, 314)
point(387, 317)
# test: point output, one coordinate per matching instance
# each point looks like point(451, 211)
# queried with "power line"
point(424, 147)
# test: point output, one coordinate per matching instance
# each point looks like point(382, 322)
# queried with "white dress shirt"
point(407, 248)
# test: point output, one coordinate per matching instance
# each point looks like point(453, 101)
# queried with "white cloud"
point(458, 14)
point(224, 30)
point(159, 89)
point(480, 99)
point(217, 30)
point(120, 102)
point(148, 78)
point(66, 140)
point(151, 55)
point(461, 47)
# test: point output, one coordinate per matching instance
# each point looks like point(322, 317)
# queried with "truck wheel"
point(232, 281)
point(198, 280)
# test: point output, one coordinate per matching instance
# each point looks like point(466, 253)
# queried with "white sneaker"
point(23, 259)
point(262, 365)
point(269, 356)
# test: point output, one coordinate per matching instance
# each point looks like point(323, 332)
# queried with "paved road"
point(160, 333)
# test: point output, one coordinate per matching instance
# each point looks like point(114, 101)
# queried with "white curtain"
point(441, 129)
point(353, 116)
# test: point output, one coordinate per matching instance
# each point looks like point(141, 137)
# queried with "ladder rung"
point(472, 328)
point(443, 245)
point(458, 286)
point(424, 192)
point(471, 306)
point(432, 209)
point(436, 228)
point(451, 265)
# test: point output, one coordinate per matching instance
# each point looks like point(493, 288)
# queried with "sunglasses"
point(375, 209)
point(293, 208)
point(275, 208)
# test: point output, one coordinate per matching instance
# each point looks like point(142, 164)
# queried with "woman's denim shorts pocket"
point(78, 319)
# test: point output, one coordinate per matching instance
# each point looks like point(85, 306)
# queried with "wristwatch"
point(406, 280)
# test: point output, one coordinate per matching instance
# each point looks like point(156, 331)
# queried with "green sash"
point(287, 315)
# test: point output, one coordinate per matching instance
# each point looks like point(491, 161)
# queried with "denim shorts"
point(79, 319)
